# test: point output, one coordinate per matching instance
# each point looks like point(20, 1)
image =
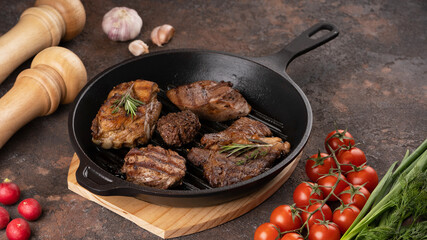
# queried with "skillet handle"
point(88, 177)
point(300, 45)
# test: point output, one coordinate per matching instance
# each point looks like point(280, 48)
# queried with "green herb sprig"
point(394, 199)
point(238, 149)
point(129, 103)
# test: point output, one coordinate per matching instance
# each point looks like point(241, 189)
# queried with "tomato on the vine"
point(266, 231)
point(307, 193)
point(327, 182)
point(364, 175)
point(292, 236)
point(326, 210)
point(355, 195)
point(344, 216)
point(353, 155)
point(318, 165)
point(286, 217)
point(324, 231)
point(335, 139)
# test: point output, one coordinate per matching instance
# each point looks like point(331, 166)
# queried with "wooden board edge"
point(233, 209)
point(103, 201)
point(240, 206)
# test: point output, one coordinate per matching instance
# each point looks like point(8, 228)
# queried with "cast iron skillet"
point(276, 100)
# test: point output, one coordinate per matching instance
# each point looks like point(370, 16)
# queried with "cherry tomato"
point(306, 193)
point(324, 231)
point(18, 229)
point(344, 217)
point(9, 192)
point(30, 209)
point(336, 139)
point(286, 217)
point(356, 195)
point(326, 184)
point(292, 236)
point(318, 165)
point(366, 175)
point(4, 218)
point(266, 231)
point(353, 156)
point(327, 212)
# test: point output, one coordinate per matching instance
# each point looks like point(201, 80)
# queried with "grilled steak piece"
point(114, 128)
point(154, 166)
point(215, 101)
point(222, 169)
point(241, 130)
point(177, 129)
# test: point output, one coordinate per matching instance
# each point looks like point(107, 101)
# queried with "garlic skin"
point(121, 24)
point(138, 47)
point(162, 34)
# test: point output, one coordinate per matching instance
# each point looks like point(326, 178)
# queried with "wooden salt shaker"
point(56, 76)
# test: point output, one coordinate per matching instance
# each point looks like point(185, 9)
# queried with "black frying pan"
point(276, 100)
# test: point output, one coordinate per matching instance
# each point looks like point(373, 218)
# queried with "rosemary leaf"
point(238, 149)
point(129, 103)
point(240, 162)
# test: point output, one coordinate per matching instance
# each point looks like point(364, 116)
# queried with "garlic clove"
point(162, 34)
point(121, 24)
point(138, 47)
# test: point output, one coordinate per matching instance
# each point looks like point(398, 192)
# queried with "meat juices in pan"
point(154, 166)
point(114, 128)
point(222, 168)
point(177, 129)
point(215, 101)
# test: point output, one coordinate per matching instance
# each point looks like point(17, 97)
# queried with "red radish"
point(4, 218)
point(30, 209)
point(18, 229)
point(9, 192)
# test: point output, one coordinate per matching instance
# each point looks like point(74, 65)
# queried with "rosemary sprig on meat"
point(238, 149)
point(129, 103)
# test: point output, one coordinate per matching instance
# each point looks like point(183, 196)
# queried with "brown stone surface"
point(371, 79)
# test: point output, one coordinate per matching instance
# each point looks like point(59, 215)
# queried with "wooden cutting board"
point(168, 222)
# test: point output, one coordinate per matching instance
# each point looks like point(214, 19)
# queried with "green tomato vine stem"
point(336, 172)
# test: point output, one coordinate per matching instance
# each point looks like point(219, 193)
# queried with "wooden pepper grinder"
point(39, 27)
point(56, 76)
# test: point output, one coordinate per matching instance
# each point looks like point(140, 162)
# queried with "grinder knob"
point(40, 27)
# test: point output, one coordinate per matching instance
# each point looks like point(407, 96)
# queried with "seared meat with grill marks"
point(242, 129)
point(221, 167)
point(154, 166)
point(215, 101)
point(177, 129)
point(114, 128)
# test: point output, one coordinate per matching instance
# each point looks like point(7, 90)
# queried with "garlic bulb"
point(121, 24)
point(162, 34)
point(138, 47)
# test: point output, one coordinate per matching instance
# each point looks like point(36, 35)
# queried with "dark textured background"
point(371, 79)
